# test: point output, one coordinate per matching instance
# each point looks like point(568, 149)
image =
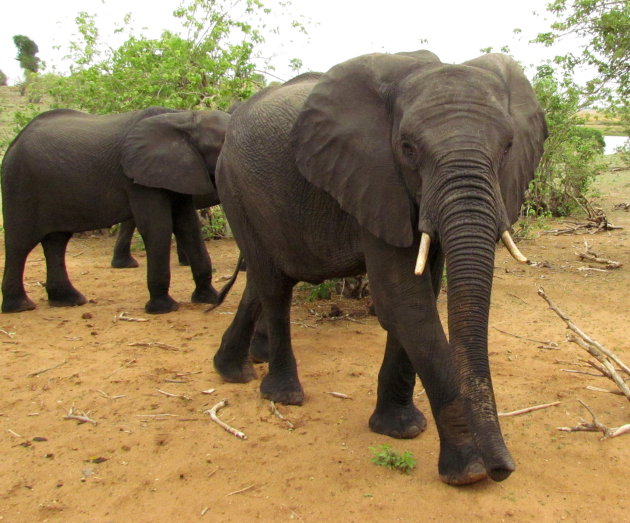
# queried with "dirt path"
point(153, 457)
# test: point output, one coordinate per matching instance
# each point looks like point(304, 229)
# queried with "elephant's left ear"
point(163, 152)
point(530, 130)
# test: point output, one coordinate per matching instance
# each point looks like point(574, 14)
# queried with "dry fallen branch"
point(81, 417)
point(278, 414)
point(596, 426)
point(240, 491)
point(38, 372)
point(15, 434)
point(171, 395)
point(339, 395)
point(7, 333)
point(550, 345)
point(123, 316)
point(604, 356)
point(589, 255)
point(213, 415)
point(599, 389)
point(622, 206)
point(157, 344)
point(528, 409)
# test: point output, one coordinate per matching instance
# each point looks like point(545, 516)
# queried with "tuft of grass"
point(385, 456)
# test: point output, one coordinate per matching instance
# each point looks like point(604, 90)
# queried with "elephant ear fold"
point(343, 142)
point(159, 152)
point(530, 130)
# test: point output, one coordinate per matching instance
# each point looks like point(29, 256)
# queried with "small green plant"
point(214, 224)
point(385, 456)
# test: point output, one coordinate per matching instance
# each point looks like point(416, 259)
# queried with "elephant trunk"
point(467, 224)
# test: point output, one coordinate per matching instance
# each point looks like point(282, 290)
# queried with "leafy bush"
point(573, 153)
point(385, 456)
point(3, 78)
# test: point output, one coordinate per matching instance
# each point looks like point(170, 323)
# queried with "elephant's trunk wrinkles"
point(467, 226)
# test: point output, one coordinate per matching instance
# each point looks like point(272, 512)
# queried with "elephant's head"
point(177, 151)
point(409, 145)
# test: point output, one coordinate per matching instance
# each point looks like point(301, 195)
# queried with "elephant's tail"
point(226, 288)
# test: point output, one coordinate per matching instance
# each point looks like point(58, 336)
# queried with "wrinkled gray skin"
point(122, 258)
point(327, 176)
point(68, 172)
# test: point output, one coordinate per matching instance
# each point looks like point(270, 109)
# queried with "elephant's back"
point(301, 226)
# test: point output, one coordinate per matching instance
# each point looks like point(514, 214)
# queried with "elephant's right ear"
point(343, 142)
point(159, 152)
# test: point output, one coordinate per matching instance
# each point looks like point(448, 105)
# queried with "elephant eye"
point(408, 150)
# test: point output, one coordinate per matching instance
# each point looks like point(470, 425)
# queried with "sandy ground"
point(153, 457)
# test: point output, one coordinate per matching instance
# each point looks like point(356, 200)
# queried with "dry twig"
point(339, 395)
point(213, 415)
point(81, 417)
point(241, 490)
point(157, 344)
point(171, 395)
point(590, 256)
point(528, 409)
point(551, 345)
point(596, 426)
point(278, 414)
point(594, 348)
point(123, 316)
point(38, 372)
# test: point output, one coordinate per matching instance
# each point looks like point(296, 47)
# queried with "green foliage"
point(210, 67)
point(214, 225)
point(603, 28)
point(322, 291)
point(3, 78)
point(573, 154)
point(385, 456)
point(27, 49)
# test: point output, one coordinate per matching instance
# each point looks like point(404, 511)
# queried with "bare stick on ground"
point(81, 417)
point(171, 395)
point(157, 344)
point(278, 414)
point(38, 372)
point(123, 316)
point(589, 255)
point(528, 409)
point(339, 395)
point(597, 426)
point(213, 415)
point(550, 345)
point(604, 356)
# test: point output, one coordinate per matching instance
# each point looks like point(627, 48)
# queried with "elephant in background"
point(122, 258)
point(394, 164)
point(68, 171)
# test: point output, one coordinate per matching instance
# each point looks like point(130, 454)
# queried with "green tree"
point(210, 63)
point(27, 49)
point(573, 154)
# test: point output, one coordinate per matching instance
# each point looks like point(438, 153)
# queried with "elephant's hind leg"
point(60, 291)
point(232, 359)
point(14, 298)
point(122, 258)
point(188, 235)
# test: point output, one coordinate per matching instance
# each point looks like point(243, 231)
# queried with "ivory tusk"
point(512, 248)
point(423, 253)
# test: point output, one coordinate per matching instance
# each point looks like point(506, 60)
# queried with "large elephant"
point(331, 175)
point(68, 171)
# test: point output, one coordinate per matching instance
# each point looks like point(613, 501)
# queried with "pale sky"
point(456, 30)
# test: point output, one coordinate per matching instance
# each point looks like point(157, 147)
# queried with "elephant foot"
point(20, 304)
point(282, 390)
point(259, 348)
point(124, 263)
point(205, 295)
point(396, 421)
point(161, 305)
point(243, 372)
point(65, 298)
point(461, 465)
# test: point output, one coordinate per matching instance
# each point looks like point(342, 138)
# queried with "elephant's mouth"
point(425, 244)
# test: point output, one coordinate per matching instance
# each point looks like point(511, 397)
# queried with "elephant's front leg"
point(152, 212)
point(406, 307)
point(188, 235)
point(61, 293)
